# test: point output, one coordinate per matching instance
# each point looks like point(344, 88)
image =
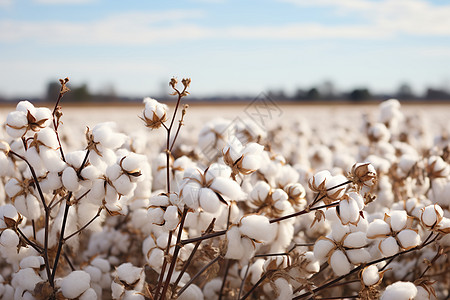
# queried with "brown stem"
point(224, 280)
point(197, 275)
point(256, 285)
point(243, 281)
point(163, 268)
point(203, 237)
point(191, 256)
point(305, 211)
point(175, 253)
point(34, 245)
point(84, 226)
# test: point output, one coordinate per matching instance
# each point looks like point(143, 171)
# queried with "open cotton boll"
point(431, 215)
point(378, 228)
point(75, 158)
point(75, 284)
point(51, 159)
point(12, 187)
point(322, 248)
point(7, 211)
point(235, 250)
point(355, 240)
point(34, 262)
point(26, 279)
point(171, 217)
point(399, 290)
point(260, 192)
point(319, 179)
point(129, 273)
point(190, 194)
point(89, 294)
point(389, 246)
point(123, 185)
point(370, 275)
point(47, 136)
point(348, 211)
point(193, 292)
point(16, 124)
point(156, 215)
point(209, 200)
point(133, 162)
point(228, 188)
point(283, 289)
point(338, 231)
point(257, 227)
point(9, 238)
point(70, 179)
point(357, 256)
point(333, 191)
point(408, 238)
point(26, 106)
point(398, 219)
point(28, 206)
point(339, 263)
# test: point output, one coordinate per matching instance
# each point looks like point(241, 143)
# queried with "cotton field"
point(255, 201)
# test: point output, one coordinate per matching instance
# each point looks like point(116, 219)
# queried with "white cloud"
point(413, 17)
point(6, 3)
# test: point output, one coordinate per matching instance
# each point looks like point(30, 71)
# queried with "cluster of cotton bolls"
point(230, 212)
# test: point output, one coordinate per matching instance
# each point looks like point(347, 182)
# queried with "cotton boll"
point(408, 238)
point(16, 123)
point(338, 231)
point(431, 215)
point(284, 290)
point(370, 275)
point(12, 187)
point(9, 238)
point(8, 211)
point(43, 113)
point(33, 158)
point(228, 188)
point(260, 192)
point(331, 184)
point(51, 182)
point(171, 217)
point(322, 248)
point(378, 228)
point(129, 273)
point(26, 279)
point(155, 215)
point(28, 206)
point(75, 284)
point(70, 179)
point(193, 292)
point(47, 136)
point(155, 258)
point(339, 263)
point(34, 262)
point(357, 256)
point(190, 194)
point(123, 185)
point(355, 240)
point(257, 227)
point(209, 201)
point(25, 107)
point(234, 248)
point(212, 288)
point(319, 179)
point(389, 246)
point(399, 290)
point(89, 294)
point(348, 211)
point(117, 290)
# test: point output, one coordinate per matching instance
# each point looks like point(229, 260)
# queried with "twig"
point(84, 226)
point(34, 245)
point(197, 275)
point(256, 285)
point(164, 265)
point(227, 267)
point(243, 281)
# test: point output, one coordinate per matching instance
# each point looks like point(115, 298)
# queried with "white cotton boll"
point(193, 292)
point(348, 211)
point(128, 273)
point(398, 219)
point(251, 162)
point(439, 166)
point(379, 132)
point(399, 290)
point(156, 258)
point(235, 249)
point(279, 195)
point(51, 182)
point(75, 158)
point(233, 149)
point(320, 178)
point(89, 294)
point(258, 227)
point(260, 191)
point(9, 211)
point(155, 215)
point(26, 279)
point(408, 238)
point(331, 185)
point(357, 256)
point(16, 123)
point(51, 159)
point(33, 157)
point(370, 275)
point(94, 272)
point(171, 217)
point(75, 284)
point(90, 172)
point(26, 106)
point(113, 172)
point(101, 263)
point(9, 238)
point(12, 187)
point(28, 206)
point(209, 201)
point(133, 162)
point(431, 215)
point(123, 185)
point(212, 288)
point(339, 263)
point(34, 262)
point(389, 246)
point(117, 290)
point(217, 170)
point(358, 199)
point(70, 179)
point(283, 288)
point(47, 136)
point(378, 228)
point(355, 240)
point(42, 113)
point(338, 231)
point(322, 248)
point(228, 188)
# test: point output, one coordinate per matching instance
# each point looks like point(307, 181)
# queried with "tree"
point(360, 94)
point(405, 92)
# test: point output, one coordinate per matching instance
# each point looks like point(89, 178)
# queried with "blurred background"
point(293, 50)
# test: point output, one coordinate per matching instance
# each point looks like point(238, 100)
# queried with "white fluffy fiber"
point(75, 284)
point(129, 273)
point(370, 275)
point(257, 227)
point(399, 290)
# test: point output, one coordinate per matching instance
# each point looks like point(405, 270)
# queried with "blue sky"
point(225, 46)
